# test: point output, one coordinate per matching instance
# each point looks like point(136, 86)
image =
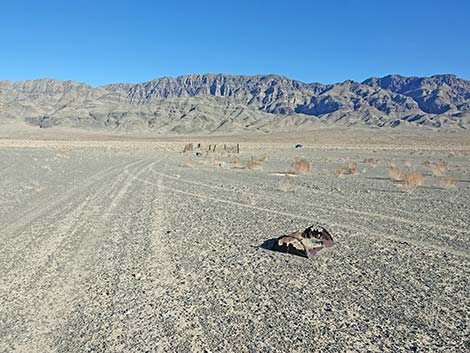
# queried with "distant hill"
point(228, 103)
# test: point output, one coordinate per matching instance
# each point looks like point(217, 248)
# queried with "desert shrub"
point(411, 181)
point(373, 162)
point(237, 164)
point(394, 172)
point(456, 154)
point(340, 171)
point(352, 168)
point(216, 163)
point(329, 159)
point(253, 164)
point(408, 164)
point(447, 183)
point(426, 164)
point(439, 168)
point(300, 166)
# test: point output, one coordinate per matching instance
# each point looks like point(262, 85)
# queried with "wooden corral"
point(200, 149)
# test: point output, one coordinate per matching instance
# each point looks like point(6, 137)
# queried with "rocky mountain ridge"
point(217, 102)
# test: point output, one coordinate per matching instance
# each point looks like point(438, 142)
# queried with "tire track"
point(36, 212)
point(422, 244)
point(345, 209)
point(35, 302)
point(128, 281)
point(30, 235)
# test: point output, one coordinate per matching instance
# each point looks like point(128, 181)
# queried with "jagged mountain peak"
point(393, 100)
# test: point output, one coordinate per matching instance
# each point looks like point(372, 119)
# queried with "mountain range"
point(216, 103)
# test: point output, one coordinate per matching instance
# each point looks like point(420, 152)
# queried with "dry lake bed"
point(134, 246)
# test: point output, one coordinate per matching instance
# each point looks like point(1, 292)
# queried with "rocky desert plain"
point(118, 241)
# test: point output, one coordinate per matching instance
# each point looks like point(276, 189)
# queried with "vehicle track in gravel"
point(398, 219)
point(49, 251)
point(138, 258)
point(363, 217)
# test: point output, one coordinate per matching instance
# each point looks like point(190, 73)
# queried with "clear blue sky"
point(313, 41)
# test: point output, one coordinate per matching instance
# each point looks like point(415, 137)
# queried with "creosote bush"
point(216, 163)
point(352, 168)
point(340, 171)
point(426, 164)
point(300, 166)
point(394, 172)
point(373, 162)
point(439, 168)
point(411, 181)
point(254, 163)
point(447, 183)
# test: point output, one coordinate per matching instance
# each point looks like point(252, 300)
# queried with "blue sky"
point(101, 42)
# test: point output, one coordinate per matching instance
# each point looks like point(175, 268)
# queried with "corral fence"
point(199, 149)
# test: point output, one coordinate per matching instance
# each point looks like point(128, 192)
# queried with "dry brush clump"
point(237, 164)
point(328, 159)
point(352, 168)
point(340, 171)
point(217, 164)
point(300, 166)
point(439, 168)
point(447, 183)
point(254, 163)
point(426, 164)
point(408, 164)
point(394, 172)
point(456, 154)
point(411, 181)
point(373, 162)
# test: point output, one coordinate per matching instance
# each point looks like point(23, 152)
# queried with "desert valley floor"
point(127, 245)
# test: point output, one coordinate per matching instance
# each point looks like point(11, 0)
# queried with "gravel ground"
point(139, 248)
